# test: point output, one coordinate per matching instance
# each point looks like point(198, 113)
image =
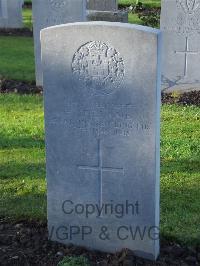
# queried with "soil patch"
point(26, 243)
point(21, 87)
point(186, 98)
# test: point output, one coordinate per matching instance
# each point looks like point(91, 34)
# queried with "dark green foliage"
point(74, 261)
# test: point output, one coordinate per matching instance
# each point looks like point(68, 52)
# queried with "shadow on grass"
point(186, 166)
point(21, 142)
point(29, 206)
point(20, 170)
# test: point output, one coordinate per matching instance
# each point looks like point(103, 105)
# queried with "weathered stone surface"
point(102, 104)
point(11, 14)
point(180, 23)
point(115, 16)
point(102, 5)
point(48, 13)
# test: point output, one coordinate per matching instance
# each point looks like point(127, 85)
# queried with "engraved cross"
point(100, 169)
point(186, 53)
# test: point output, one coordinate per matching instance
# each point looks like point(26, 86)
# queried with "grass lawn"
point(27, 17)
point(22, 158)
point(22, 165)
point(17, 58)
point(134, 19)
point(150, 3)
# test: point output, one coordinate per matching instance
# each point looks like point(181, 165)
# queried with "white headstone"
point(10, 14)
point(102, 105)
point(180, 23)
point(48, 13)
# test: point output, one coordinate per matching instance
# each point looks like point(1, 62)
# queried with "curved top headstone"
point(102, 105)
point(48, 13)
point(10, 14)
point(180, 23)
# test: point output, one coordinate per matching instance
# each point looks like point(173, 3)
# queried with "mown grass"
point(150, 3)
point(180, 173)
point(22, 158)
point(17, 58)
point(22, 165)
point(27, 18)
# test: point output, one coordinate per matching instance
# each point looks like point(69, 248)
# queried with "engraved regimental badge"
point(99, 67)
point(57, 4)
point(188, 17)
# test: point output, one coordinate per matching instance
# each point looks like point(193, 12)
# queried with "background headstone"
point(102, 104)
point(102, 5)
point(180, 23)
point(48, 13)
point(10, 14)
point(105, 10)
point(112, 16)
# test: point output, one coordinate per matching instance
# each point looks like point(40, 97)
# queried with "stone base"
point(112, 16)
point(180, 88)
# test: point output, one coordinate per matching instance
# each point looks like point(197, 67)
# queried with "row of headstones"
point(180, 23)
point(11, 11)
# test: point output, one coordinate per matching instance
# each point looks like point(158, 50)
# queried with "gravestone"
point(112, 16)
point(102, 104)
point(48, 13)
point(10, 14)
point(180, 23)
point(102, 5)
point(105, 10)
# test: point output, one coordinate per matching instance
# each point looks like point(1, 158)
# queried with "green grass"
point(27, 1)
point(74, 261)
point(180, 173)
point(22, 165)
point(133, 18)
point(150, 3)
point(17, 58)
point(22, 159)
point(27, 18)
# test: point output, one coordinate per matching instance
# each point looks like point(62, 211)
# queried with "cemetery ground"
point(23, 186)
point(23, 233)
